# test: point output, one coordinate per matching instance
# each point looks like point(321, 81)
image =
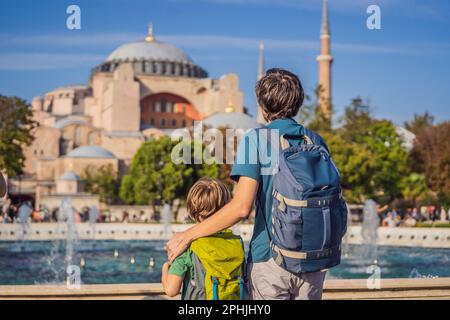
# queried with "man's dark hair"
point(280, 94)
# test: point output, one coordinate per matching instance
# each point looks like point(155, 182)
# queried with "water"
point(23, 217)
point(167, 219)
point(103, 267)
point(369, 232)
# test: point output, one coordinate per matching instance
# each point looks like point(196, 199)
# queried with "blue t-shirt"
point(257, 158)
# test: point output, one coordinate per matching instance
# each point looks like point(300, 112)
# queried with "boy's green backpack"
point(218, 268)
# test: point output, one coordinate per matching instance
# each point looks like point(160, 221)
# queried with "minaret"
point(150, 37)
point(261, 72)
point(325, 60)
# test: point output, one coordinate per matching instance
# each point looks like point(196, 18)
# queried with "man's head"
point(280, 94)
point(206, 197)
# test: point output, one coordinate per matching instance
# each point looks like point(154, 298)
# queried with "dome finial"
point(150, 37)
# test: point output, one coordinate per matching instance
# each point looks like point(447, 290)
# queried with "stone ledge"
point(438, 288)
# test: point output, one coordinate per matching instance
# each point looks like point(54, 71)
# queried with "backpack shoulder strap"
point(195, 289)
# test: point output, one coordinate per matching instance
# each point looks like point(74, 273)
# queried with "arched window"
point(91, 139)
point(174, 123)
point(77, 139)
point(163, 122)
point(163, 104)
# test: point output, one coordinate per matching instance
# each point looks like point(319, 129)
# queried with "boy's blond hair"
point(206, 197)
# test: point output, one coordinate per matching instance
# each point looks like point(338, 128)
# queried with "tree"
point(153, 177)
point(415, 188)
point(368, 153)
point(390, 159)
point(419, 122)
point(16, 125)
point(102, 181)
point(310, 113)
point(356, 120)
point(431, 156)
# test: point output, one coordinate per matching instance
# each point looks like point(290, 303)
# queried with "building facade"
point(143, 90)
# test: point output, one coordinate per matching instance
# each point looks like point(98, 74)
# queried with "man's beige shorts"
point(268, 281)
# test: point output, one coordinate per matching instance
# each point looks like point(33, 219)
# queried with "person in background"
point(410, 221)
point(125, 217)
point(416, 215)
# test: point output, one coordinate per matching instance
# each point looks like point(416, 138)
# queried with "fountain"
point(23, 217)
point(66, 215)
point(369, 232)
point(345, 245)
point(166, 219)
point(151, 263)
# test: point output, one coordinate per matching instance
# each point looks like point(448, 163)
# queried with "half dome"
point(90, 152)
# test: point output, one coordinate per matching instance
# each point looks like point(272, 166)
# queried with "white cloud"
point(193, 41)
point(45, 61)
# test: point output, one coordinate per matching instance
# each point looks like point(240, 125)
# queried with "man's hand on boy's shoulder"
point(176, 246)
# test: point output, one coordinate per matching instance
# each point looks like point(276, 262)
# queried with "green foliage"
point(368, 152)
point(16, 125)
point(102, 181)
point(154, 178)
point(415, 188)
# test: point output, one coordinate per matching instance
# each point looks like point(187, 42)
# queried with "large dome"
point(153, 57)
point(146, 50)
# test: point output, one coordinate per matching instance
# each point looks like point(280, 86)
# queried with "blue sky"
point(402, 69)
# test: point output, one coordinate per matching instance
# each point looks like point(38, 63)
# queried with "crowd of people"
point(412, 216)
point(10, 213)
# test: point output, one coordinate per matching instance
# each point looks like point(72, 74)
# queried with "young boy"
point(211, 268)
point(280, 95)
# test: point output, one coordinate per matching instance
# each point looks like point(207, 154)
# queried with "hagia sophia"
point(142, 90)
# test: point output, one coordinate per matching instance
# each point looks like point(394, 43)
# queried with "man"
point(280, 95)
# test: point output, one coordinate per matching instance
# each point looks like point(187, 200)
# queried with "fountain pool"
point(107, 262)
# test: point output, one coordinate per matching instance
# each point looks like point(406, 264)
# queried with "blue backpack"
point(309, 216)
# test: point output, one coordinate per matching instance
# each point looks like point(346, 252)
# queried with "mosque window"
point(163, 104)
point(91, 138)
point(78, 136)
